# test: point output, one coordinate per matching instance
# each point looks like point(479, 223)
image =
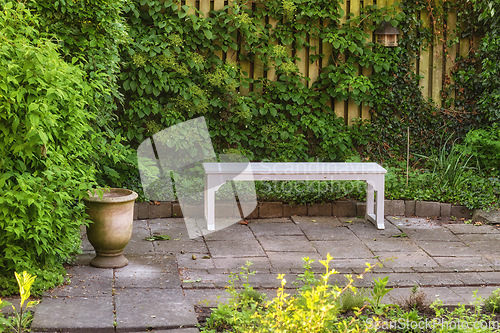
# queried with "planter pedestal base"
point(101, 261)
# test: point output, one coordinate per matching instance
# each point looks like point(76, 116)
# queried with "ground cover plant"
point(318, 306)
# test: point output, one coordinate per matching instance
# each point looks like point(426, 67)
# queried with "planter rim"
point(113, 195)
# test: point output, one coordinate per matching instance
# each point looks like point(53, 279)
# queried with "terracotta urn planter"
point(111, 228)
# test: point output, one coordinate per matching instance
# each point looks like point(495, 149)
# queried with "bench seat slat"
point(298, 168)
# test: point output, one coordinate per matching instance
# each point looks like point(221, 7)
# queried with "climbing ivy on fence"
point(174, 69)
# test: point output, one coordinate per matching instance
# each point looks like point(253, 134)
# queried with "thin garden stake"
point(407, 154)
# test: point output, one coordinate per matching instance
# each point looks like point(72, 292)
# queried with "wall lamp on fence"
point(386, 34)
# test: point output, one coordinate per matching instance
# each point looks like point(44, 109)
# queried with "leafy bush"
point(484, 145)
point(44, 150)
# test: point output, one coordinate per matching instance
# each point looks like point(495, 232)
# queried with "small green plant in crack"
point(492, 303)
point(401, 235)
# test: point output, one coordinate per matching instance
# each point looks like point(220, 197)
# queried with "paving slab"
point(174, 227)
point(486, 246)
point(176, 246)
point(292, 262)
point(492, 217)
point(354, 249)
point(491, 277)
point(275, 229)
point(328, 220)
point(258, 264)
point(357, 266)
point(85, 281)
point(467, 293)
point(367, 230)
point(474, 263)
point(472, 229)
point(235, 248)
point(322, 232)
point(447, 249)
point(271, 243)
point(391, 244)
point(234, 232)
point(139, 276)
point(405, 259)
point(445, 294)
point(494, 259)
point(137, 244)
point(199, 261)
point(471, 238)
point(207, 297)
point(441, 279)
point(431, 234)
point(76, 314)
point(137, 309)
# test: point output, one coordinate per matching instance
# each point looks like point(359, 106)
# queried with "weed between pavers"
point(322, 307)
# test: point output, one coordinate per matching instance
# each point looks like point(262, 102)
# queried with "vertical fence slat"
point(192, 4)
point(325, 59)
point(437, 72)
point(339, 106)
point(353, 109)
point(218, 5)
point(452, 50)
point(205, 7)
point(425, 83)
point(271, 73)
point(313, 67)
point(303, 61)
point(366, 71)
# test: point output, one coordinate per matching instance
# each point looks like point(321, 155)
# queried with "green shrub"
point(484, 146)
point(43, 152)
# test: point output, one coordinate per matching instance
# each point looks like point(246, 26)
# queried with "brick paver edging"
point(150, 210)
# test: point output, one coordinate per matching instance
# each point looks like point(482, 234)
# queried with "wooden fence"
point(433, 65)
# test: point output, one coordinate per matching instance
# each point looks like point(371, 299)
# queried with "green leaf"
point(208, 34)
point(157, 238)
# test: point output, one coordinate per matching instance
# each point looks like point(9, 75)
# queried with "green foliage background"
point(44, 150)
point(84, 82)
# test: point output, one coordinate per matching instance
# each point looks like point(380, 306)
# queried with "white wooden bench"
point(216, 174)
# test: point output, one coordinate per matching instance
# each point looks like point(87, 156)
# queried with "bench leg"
point(369, 200)
point(210, 208)
point(380, 207)
point(212, 184)
point(375, 204)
